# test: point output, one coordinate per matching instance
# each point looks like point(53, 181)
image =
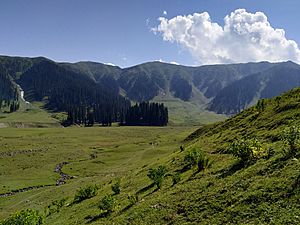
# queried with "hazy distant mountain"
point(266, 84)
point(225, 89)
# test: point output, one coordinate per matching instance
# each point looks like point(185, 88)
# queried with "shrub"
point(116, 187)
point(107, 204)
point(133, 199)
point(176, 178)
point(85, 193)
point(247, 150)
point(55, 206)
point(270, 152)
point(196, 157)
point(291, 137)
point(24, 217)
point(157, 175)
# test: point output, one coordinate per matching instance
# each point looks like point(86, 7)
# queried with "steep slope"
point(246, 91)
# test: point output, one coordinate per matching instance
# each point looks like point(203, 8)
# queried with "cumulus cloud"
point(165, 12)
point(244, 37)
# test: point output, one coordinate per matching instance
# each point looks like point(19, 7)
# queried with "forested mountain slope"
point(224, 89)
point(246, 91)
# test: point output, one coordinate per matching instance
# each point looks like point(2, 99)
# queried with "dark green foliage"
point(270, 153)
point(176, 178)
point(133, 199)
point(85, 101)
point(24, 217)
point(55, 206)
point(157, 175)
point(107, 204)
point(196, 157)
point(181, 87)
point(267, 83)
point(260, 106)
point(9, 95)
point(116, 187)
point(291, 137)
point(147, 114)
point(246, 150)
point(85, 193)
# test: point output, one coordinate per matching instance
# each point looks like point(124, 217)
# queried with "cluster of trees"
point(11, 105)
point(147, 114)
point(8, 92)
point(85, 101)
point(104, 113)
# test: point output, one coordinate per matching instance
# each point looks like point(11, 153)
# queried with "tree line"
point(9, 95)
point(147, 114)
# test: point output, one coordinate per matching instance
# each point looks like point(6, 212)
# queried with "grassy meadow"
point(94, 155)
point(264, 191)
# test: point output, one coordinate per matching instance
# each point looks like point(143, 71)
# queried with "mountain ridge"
point(202, 86)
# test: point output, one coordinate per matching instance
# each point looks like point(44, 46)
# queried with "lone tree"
point(157, 175)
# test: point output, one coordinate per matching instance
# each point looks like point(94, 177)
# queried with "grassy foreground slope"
point(264, 192)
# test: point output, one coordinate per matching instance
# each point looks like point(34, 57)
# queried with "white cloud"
point(245, 37)
point(147, 21)
point(165, 12)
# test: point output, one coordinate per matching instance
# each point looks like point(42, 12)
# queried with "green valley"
point(265, 190)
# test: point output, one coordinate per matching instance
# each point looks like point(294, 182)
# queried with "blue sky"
point(119, 32)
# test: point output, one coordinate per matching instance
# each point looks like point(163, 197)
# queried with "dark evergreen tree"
point(147, 114)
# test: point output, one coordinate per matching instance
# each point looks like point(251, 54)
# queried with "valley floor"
point(98, 155)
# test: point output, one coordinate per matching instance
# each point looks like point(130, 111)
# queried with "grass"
point(94, 156)
point(30, 115)
point(266, 191)
point(183, 113)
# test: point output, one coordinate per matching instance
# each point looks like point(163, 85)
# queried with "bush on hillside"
point(107, 204)
point(291, 137)
point(246, 150)
point(176, 178)
point(157, 175)
point(116, 187)
point(55, 206)
point(133, 199)
point(24, 217)
point(196, 157)
point(85, 193)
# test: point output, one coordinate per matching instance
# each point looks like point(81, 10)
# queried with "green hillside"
point(265, 190)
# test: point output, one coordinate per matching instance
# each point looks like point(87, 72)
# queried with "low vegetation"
point(247, 150)
point(107, 204)
point(291, 137)
point(196, 157)
point(85, 193)
point(24, 217)
point(157, 175)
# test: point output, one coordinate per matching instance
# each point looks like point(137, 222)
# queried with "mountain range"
point(210, 89)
